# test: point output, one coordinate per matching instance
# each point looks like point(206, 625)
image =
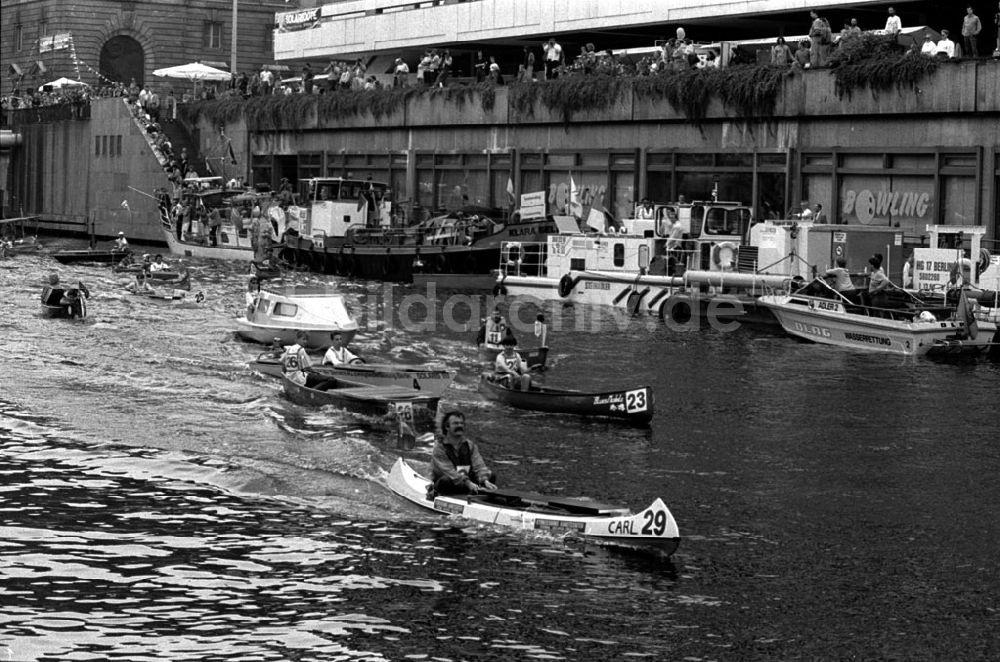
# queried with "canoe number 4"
point(654, 523)
point(636, 400)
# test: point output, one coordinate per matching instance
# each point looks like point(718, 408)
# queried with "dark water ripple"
point(160, 502)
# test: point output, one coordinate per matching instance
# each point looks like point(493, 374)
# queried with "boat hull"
point(87, 255)
point(266, 333)
point(375, 401)
point(420, 378)
point(826, 322)
point(651, 530)
point(231, 247)
point(632, 405)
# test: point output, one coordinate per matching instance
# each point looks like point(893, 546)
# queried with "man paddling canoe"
point(457, 467)
point(337, 354)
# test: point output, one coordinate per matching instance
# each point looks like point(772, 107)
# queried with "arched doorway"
point(123, 59)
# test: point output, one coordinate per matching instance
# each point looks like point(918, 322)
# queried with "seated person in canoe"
point(457, 467)
point(158, 264)
point(295, 360)
point(140, 284)
point(493, 330)
point(510, 369)
point(337, 354)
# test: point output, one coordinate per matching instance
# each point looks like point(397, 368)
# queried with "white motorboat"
point(281, 311)
point(911, 332)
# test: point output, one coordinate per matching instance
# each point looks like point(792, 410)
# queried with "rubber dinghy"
point(650, 530)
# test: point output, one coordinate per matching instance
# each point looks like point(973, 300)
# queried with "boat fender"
point(984, 261)
point(566, 285)
point(635, 300)
point(717, 253)
point(500, 289)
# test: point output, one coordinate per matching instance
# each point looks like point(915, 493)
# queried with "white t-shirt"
point(553, 52)
point(340, 356)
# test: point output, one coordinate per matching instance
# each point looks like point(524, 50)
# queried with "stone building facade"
point(102, 40)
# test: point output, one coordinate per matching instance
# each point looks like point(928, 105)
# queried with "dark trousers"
point(444, 486)
point(971, 47)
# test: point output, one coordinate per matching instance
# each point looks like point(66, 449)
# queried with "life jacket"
point(494, 332)
point(290, 361)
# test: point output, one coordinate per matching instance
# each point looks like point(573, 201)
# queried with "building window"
point(213, 35)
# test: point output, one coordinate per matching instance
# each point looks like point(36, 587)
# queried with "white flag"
point(125, 204)
point(597, 220)
point(575, 207)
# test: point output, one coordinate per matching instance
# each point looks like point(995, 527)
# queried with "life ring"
point(566, 285)
point(732, 247)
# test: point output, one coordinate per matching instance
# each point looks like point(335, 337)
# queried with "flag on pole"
point(575, 206)
point(510, 189)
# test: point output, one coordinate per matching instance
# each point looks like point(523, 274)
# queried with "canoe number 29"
point(654, 523)
point(636, 400)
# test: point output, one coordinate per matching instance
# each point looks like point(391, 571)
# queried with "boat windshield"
point(726, 220)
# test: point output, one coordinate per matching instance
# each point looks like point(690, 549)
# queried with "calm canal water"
point(159, 501)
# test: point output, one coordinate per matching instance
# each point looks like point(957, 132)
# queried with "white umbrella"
point(62, 82)
point(194, 72)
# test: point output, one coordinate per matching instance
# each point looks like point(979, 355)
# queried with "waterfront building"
point(906, 157)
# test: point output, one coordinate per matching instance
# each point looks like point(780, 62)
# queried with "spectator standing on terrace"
point(855, 28)
point(307, 79)
point(495, 74)
point(553, 58)
point(529, 63)
point(481, 67)
point(971, 27)
point(266, 81)
point(781, 55)
point(431, 72)
point(819, 38)
point(332, 72)
point(893, 24)
point(153, 104)
point(802, 54)
point(445, 69)
point(400, 73)
point(679, 48)
point(929, 48)
point(945, 47)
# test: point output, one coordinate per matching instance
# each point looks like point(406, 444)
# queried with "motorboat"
point(634, 405)
point(652, 530)
point(425, 378)
point(910, 331)
point(281, 311)
point(232, 239)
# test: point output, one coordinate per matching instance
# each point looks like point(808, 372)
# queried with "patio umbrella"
point(62, 82)
point(194, 72)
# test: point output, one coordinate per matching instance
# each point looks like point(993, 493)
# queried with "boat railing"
point(523, 258)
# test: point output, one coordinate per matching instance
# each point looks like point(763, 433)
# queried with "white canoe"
point(433, 381)
point(652, 529)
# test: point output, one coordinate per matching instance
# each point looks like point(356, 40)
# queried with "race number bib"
point(493, 337)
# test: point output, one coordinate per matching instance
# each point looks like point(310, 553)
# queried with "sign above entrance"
point(298, 20)
point(882, 207)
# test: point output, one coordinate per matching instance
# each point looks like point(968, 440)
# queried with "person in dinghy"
point(457, 466)
point(492, 331)
point(510, 369)
point(337, 354)
point(295, 361)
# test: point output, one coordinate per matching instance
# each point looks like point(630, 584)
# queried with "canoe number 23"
point(636, 400)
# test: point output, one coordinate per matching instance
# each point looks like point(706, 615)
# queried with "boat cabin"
point(666, 240)
point(334, 206)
